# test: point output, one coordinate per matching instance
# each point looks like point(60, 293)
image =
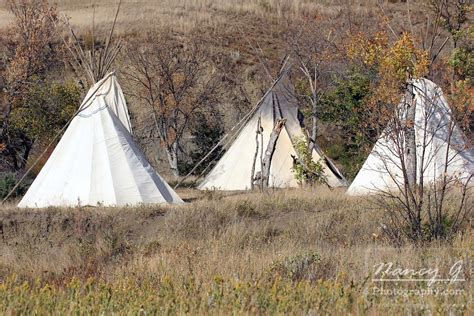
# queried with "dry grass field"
point(184, 15)
point(294, 251)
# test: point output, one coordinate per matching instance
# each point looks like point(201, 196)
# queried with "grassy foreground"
point(290, 251)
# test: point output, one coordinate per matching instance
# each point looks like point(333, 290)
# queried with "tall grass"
point(288, 251)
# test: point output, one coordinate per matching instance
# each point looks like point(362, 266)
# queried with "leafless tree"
point(175, 79)
point(316, 56)
point(453, 15)
point(427, 194)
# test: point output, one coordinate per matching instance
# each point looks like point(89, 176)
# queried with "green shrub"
point(305, 169)
point(45, 109)
point(8, 181)
point(462, 60)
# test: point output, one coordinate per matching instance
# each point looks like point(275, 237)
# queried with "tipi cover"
point(234, 169)
point(381, 171)
point(96, 162)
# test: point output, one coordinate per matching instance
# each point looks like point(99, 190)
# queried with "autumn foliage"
point(394, 64)
point(31, 38)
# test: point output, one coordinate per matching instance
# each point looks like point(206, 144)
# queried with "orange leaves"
point(461, 101)
point(368, 50)
point(463, 95)
point(399, 61)
point(32, 34)
point(394, 64)
point(403, 60)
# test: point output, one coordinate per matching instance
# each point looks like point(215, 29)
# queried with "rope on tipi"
point(94, 66)
point(234, 130)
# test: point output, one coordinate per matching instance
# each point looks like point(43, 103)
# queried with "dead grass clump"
point(296, 268)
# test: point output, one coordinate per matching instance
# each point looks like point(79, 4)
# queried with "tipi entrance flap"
point(281, 174)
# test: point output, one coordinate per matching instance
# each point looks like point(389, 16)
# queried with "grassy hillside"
point(186, 14)
point(286, 251)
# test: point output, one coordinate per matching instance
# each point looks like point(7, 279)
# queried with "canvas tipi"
point(234, 169)
point(434, 130)
point(96, 162)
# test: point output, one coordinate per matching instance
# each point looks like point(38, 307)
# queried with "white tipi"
point(96, 162)
point(434, 130)
point(234, 169)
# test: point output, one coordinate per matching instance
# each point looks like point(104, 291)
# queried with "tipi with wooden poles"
point(245, 158)
point(441, 148)
point(96, 162)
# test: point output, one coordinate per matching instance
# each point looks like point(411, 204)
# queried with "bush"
point(46, 108)
point(462, 61)
point(206, 133)
point(344, 107)
point(8, 181)
point(305, 169)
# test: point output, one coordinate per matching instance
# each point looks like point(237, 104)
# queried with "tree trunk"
point(172, 153)
point(314, 123)
point(257, 133)
point(171, 150)
point(410, 136)
point(267, 160)
point(453, 71)
point(24, 158)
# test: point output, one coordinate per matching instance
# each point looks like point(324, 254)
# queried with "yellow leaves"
point(394, 64)
point(32, 35)
point(368, 50)
point(399, 61)
point(218, 279)
point(403, 60)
